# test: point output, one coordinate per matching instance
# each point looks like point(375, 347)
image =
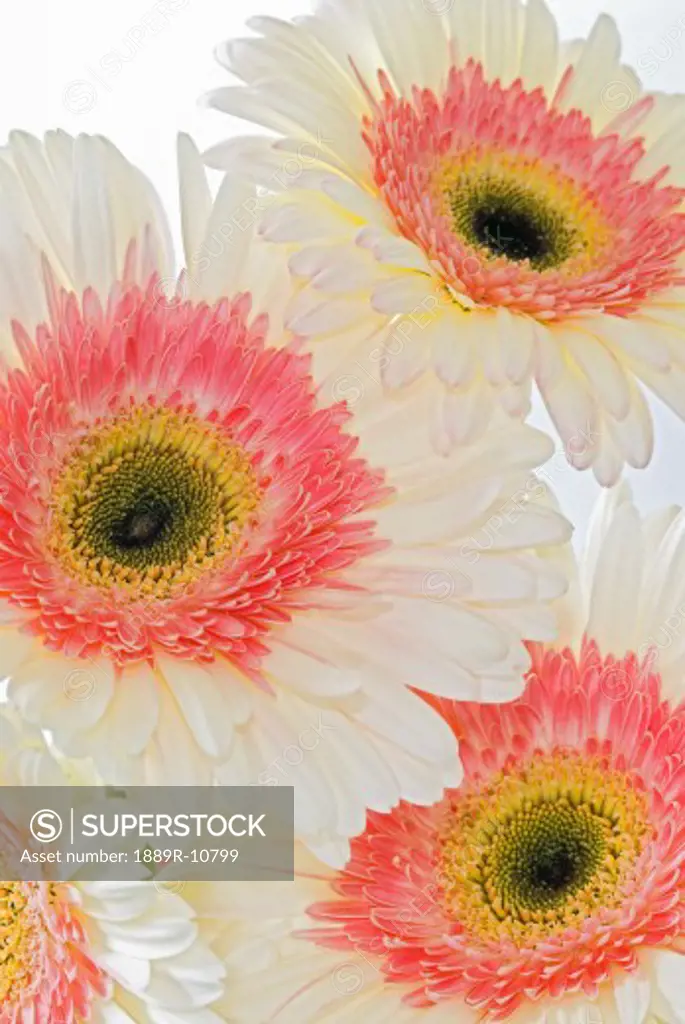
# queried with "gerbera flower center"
point(510, 222)
point(189, 490)
point(554, 866)
point(13, 962)
point(144, 524)
point(553, 852)
point(45, 970)
point(517, 203)
point(510, 208)
point(150, 500)
point(541, 848)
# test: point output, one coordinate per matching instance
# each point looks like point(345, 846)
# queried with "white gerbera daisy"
point(549, 888)
point(511, 207)
point(131, 952)
point(107, 953)
point(210, 569)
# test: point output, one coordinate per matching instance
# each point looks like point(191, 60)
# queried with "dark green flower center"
point(505, 219)
point(510, 233)
point(544, 855)
point(536, 850)
point(150, 501)
point(143, 525)
point(152, 509)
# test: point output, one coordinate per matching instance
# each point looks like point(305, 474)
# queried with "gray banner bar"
point(188, 833)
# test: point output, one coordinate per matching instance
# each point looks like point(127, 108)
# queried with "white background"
point(134, 69)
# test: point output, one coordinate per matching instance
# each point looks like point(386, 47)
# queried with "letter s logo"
point(46, 826)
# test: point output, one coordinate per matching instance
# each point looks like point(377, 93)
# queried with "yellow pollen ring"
point(20, 941)
point(546, 186)
point(490, 834)
point(187, 465)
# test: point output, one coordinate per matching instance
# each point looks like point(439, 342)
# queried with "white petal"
point(617, 579)
point(403, 294)
point(454, 351)
point(633, 997)
point(638, 338)
point(604, 374)
point(539, 56)
point(202, 703)
point(310, 676)
point(16, 647)
point(668, 970)
point(393, 249)
point(405, 355)
point(61, 694)
point(467, 412)
point(300, 222)
point(334, 269)
point(129, 723)
point(196, 199)
point(574, 413)
point(399, 716)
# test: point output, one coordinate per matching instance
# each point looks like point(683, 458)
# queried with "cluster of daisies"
point(274, 518)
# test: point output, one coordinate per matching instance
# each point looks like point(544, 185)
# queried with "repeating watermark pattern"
point(165, 888)
point(81, 95)
point(351, 387)
point(616, 684)
point(668, 632)
point(508, 513)
point(438, 6)
point(244, 217)
point(291, 757)
point(248, 213)
point(535, 488)
point(443, 584)
point(348, 979)
point(617, 97)
point(80, 685)
point(498, 242)
point(406, 329)
point(348, 388)
point(440, 585)
point(668, 46)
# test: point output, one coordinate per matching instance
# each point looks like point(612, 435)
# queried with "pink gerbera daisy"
point(106, 953)
point(504, 208)
point(74, 952)
point(210, 568)
point(44, 968)
point(549, 887)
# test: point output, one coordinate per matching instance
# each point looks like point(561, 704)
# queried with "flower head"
point(212, 568)
point(550, 885)
point(44, 967)
point(72, 951)
point(98, 951)
point(515, 204)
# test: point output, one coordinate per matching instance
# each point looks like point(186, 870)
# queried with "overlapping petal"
point(221, 558)
point(548, 887)
point(515, 203)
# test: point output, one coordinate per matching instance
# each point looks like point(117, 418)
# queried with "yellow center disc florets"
point(149, 501)
point(540, 849)
point(513, 207)
point(19, 941)
point(13, 967)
